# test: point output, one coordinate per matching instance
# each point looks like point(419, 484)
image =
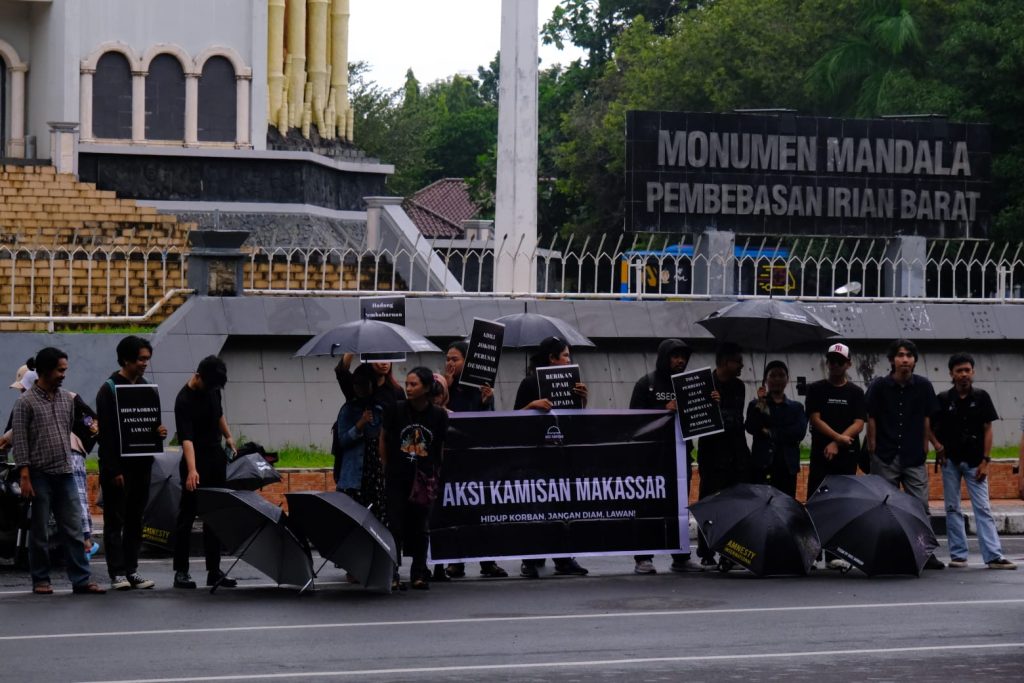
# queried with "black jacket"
point(654, 390)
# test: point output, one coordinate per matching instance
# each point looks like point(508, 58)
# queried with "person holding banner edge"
point(465, 399)
point(123, 480)
point(552, 351)
point(654, 391)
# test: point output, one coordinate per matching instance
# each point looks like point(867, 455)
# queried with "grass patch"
point(103, 329)
point(303, 456)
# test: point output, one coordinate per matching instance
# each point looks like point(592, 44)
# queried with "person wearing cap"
point(654, 391)
point(123, 480)
point(900, 406)
point(199, 417)
point(778, 425)
point(837, 413)
point(963, 430)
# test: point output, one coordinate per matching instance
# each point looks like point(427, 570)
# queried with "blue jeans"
point(988, 538)
point(59, 494)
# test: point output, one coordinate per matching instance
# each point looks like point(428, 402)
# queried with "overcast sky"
point(436, 38)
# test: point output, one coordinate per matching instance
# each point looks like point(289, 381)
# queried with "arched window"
point(112, 98)
point(217, 101)
point(165, 99)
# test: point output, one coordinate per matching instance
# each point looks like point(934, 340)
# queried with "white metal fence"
point(109, 284)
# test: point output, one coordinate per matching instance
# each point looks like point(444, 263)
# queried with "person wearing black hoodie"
point(654, 391)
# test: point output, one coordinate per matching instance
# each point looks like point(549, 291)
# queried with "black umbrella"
point(367, 336)
point(530, 329)
point(766, 324)
point(760, 528)
point(250, 472)
point(161, 513)
point(872, 525)
point(346, 533)
point(252, 529)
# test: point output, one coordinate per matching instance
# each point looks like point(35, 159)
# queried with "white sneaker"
point(836, 563)
point(644, 567)
point(120, 583)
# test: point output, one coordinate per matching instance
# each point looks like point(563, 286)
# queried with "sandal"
point(88, 589)
point(456, 570)
point(397, 585)
point(42, 589)
point(421, 584)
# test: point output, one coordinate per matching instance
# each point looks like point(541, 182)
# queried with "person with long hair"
point(386, 391)
point(357, 469)
point(552, 351)
point(411, 448)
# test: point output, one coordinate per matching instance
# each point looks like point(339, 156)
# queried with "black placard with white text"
point(556, 384)
point(523, 484)
point(138, 419)
point(389, 309)
point(699, 414)
point(481, 366)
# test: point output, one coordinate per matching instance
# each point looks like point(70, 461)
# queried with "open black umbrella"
point(252, 529)
point(367, 336)
point(872, 525)
point(766, 324)
point(346, 533)
point(161, 513)
point(760, 528)
point(250, 472)
point(530, 329)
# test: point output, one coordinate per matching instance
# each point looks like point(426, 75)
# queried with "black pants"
point(782, 479)
point(123, 507)
point(845, 462)
point(208, 477)
point(677, 558)
point(407, 521)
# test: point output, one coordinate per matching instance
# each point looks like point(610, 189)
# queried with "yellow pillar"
point(339, 62)
point(275, 58)
point(316, 34)
point(296, 47)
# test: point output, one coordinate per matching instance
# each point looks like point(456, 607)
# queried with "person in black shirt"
point(552, 351)
point(723, 459)
point(654, 391)
point(199, 416)
point(466, 399)
point(963, 427)
point(836, 410)
point(778, 425)
point(124, 481)
point(411, 449)
point(900, 406)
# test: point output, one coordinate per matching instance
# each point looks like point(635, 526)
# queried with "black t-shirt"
point(727, 450)
point(528, 392)
point(838, 408)
point(415, 438)
point(197, 416)
point(959, 424)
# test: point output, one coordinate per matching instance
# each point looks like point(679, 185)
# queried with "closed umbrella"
point(760, 528)
point(161, 514)
point(367, 336)
point(346, 533)
point(250, 472)
point(872, 525)
point(766, 324)
point(252, 529)
point(530, 329)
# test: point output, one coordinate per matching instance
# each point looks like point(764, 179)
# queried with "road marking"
point(575, 664)
point(491, 620)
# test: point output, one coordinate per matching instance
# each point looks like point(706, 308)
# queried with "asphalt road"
point(965, 624)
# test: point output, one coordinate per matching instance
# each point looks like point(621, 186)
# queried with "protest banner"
point(389, 309)
point(138, 419)
point(531, 484)
point(699, 414)
point(556, 384)
point(481, 366)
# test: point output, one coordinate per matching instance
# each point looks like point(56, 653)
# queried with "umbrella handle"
point(334, 346)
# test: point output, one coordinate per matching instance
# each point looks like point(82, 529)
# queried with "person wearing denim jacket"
point(358, 423)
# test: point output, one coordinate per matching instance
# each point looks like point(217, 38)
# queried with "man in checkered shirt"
point(43, 417)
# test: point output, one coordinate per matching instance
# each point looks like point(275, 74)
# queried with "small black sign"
point(556, 384)
point(699, 415)
point(138, 418)
point(390, 309)
point(484, 353)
